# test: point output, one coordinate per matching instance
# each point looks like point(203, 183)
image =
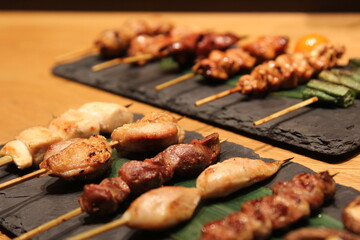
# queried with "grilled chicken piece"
point(38, 140)
point(259, 217)
point(226, 177)
point(19, 152)
point(78, 158)
point(104, 198)
point(111, 43)
point(222, 65)
point(153, 133)
point(75, 124)
point(114, 43)
point(109, 115)
point(197, 46)
point(351, 216)
point(320, 233)
point(290, 70)
point(267, 47)
point(162, 208)
point(181, 160)
point(141, 176)
point(144, 44)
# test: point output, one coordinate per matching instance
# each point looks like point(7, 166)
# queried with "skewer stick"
point(217, 96)
point(174, 81)
point(5, 160)
point(106, 227)
point(22, 178)
point(50, 224)
point(116, 61)
point(113, 143)
point(77, 53)
point(287, 110)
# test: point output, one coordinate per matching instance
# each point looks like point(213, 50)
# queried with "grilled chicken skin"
point(78, 158)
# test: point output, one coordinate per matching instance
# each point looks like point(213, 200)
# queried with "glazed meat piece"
point(290, 70)
point(141, 176)
point(320, 233)
point(197, 46)
point(114, 43)
point(144, 44)
point(103, 199)
point(259, 217)
point(78, 158)
point(162, 208)
point(267, 47)
point(351, 216)
point(182, 160)
point(312, 188)
point(222, 65)
point(153, 133)
point(111, 43)
point(109, 115)
point(75, 124)
point(228, 176)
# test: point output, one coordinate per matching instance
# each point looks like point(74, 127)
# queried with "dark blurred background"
point(186, 5)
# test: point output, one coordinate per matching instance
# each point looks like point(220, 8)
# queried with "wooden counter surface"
point(31, 95)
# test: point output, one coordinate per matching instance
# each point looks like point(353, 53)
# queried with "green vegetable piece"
point(347, 72)
point(329, 76)
point(330, 93)
point(354, 63)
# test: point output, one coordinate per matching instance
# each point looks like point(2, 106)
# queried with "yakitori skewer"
point(88, 158)
point(114, 43)
point(143, 213)
point(184, 45)
point(327, 92)
point(286, 71)
point(136, 177)
point(92, 118)
point(221, 65)
point(218, 180)
point(258, 218)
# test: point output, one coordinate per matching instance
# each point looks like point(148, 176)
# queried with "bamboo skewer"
point(50, 224)
point(116, 61)
point(175, 81)
point(5, 160)
point(285, 111)
point(22, 178)
point(76, 54)
point(217, 96)
point(104, 228)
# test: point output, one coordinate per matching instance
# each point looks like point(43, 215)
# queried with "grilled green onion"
point(330, 93)
point(329, 76)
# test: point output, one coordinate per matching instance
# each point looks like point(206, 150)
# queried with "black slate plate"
point(29, 204)
point(330, 133)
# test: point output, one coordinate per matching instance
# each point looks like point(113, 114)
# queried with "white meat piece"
point(19, 152)
point(74, 123)
point(109, 115)
point(38, 140)
point(226, 177)
point(162, 208)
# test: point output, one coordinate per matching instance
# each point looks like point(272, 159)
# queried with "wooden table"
point(31, 95)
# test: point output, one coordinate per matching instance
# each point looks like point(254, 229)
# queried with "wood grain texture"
point(31, 95)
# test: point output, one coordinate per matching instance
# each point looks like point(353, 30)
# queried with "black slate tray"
point(333, 134)
point(32, 203)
